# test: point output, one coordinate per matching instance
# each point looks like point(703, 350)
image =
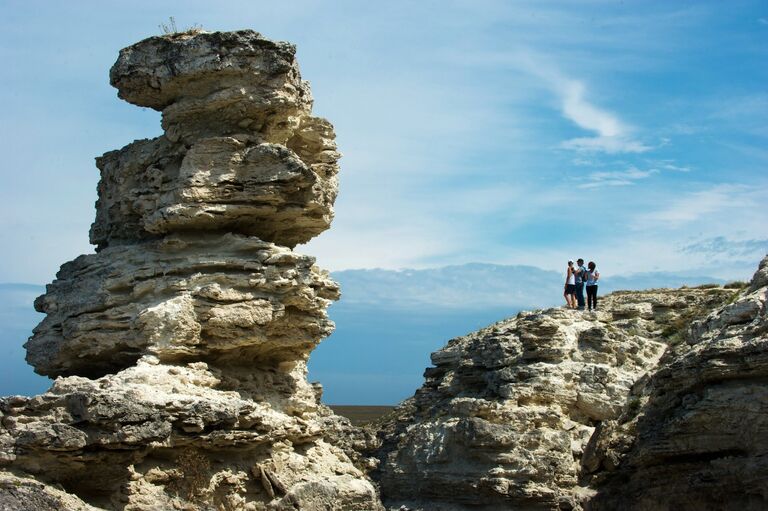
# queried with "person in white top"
point(592, 277)
point(569, 290)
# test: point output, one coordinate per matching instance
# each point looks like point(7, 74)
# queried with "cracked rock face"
point(699, 437)
point(241, 150)
point(181, 344)
point(185, 297)
point(507, 416)
point(155, 435)
point(215, 84)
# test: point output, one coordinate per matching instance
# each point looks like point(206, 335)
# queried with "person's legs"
point(570, 295)
point(580, 295)
point(591, 297)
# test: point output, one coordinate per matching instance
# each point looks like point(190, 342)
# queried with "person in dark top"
point(581, 278)
point(592, 277)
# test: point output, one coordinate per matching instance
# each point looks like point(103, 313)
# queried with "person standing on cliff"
point(592, 277)
point(581, 278)
point(569, 289)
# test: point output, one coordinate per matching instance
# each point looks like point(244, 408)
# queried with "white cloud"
point(694, 207)
point(579, 110)
point(617, 178)
point(671, 166)
point(612, 135)
point(610, 145)
point(456, 226)
point(391, 247)
point(722, 246)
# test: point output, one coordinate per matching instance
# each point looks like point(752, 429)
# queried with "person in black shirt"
point(581, 279)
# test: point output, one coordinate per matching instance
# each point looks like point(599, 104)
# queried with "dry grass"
point(170, 28)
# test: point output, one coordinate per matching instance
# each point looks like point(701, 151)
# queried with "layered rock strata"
point(213, 297)
point(241, 150)
point(697, 434)
point(515, 416)
point(181, 344)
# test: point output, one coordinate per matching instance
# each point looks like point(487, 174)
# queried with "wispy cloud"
point(670, 165)
point(617, 178)
point(611, 134)
point(721, 207)
point(745, 113)
point(610, 145)
point(723, 246)
point(691, 207)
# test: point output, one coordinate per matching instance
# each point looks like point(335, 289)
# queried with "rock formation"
point(623, 409)
point(697, 437)
point(181, 344)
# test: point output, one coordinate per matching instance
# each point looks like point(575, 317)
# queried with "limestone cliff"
point(697, 434)
point(179, 348)
point(181, 344)
point(655, 402)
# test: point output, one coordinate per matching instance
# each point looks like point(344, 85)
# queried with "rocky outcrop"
point(697, 437)
point(24, 493)
point(526, 414)
point(241, 151)
point(213, 297)
point(180, 347)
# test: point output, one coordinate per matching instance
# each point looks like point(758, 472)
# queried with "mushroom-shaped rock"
point(215, 83)
point(180, 346)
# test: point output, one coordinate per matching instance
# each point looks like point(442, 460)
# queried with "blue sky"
point(631, 133)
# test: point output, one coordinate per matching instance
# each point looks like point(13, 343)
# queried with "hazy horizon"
point(387, 323)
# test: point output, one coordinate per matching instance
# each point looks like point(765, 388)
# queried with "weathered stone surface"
point(181, 345)
point(698, 437)
point(241, 152)
point(185, 297)
point(156, 435)
point(215, 83)
point(506, 414)
point(27, 494)
point(237, 184)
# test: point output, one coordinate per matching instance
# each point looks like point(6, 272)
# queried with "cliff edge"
point(655, 402)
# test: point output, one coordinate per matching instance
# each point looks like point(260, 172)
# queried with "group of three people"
point(576, 279)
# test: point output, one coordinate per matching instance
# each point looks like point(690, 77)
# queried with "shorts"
point(570, 289)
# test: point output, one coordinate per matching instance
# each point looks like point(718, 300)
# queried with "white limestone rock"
point(235, 184)
point(186, 297)
point(180, 347)
point(241, 151)
point(157, 436)
point(697, 437)
point(505, 416)
point(215, 83)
